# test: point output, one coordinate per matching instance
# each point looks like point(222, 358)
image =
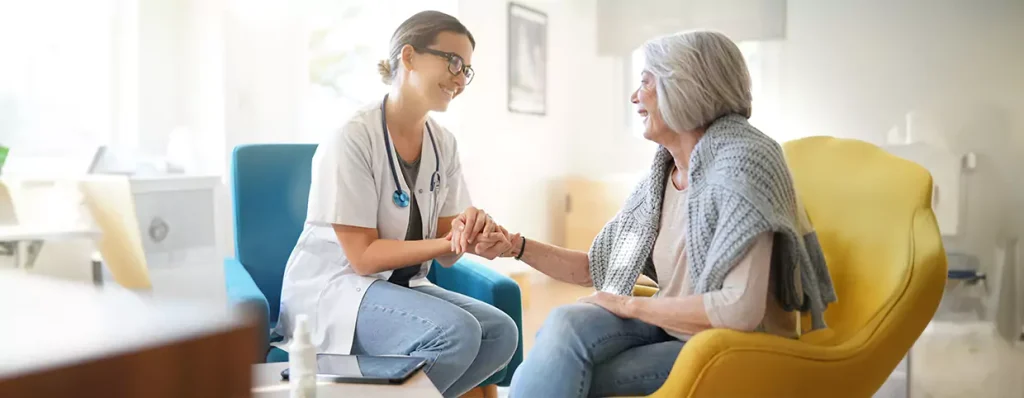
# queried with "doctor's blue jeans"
point(464, 340)
point(582, 350)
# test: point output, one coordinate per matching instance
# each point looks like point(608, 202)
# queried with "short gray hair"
point(700, 76)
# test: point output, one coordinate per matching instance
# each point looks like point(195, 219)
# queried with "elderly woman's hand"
point(614, 303)
point(493, 245)
point(499, 243)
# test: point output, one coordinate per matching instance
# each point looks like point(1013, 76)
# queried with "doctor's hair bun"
point(384, 68)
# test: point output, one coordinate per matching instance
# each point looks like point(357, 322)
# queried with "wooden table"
point(267, 383)
point(70, 339)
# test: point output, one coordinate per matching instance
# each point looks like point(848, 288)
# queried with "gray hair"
point(700, 76)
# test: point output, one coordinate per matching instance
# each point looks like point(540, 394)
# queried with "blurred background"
point(163, 90)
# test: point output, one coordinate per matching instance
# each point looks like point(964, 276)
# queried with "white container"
point(178, 218)
point(302, 361)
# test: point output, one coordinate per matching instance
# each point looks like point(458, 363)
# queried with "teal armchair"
point(270, 188)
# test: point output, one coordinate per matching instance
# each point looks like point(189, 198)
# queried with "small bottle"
point(302, 361)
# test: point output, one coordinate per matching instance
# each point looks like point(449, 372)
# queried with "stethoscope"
point(400, 197)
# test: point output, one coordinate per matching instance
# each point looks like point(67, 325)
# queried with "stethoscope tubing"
point(400, 197)
point(399, 193)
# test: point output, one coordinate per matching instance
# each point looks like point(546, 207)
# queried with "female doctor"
point(386, 192)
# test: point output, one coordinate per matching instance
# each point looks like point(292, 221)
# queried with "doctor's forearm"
point(571, 266)
point(449, 259)
point(386, 254)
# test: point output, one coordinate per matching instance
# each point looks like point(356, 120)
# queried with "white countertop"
point(45, 233)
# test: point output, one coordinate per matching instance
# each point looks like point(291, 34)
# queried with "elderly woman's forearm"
point(676, 314)
point(566, 265)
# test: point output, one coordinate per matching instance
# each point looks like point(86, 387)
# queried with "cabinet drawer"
point(174, 223)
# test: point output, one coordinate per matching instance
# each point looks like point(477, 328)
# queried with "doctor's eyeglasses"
point(456, 64)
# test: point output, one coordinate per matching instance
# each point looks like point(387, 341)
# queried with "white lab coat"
point(353, 185)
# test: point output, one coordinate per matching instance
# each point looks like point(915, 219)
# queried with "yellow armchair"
point(872, 212)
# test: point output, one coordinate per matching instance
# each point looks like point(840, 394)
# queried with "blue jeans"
point(582, 350)
point(464, 340)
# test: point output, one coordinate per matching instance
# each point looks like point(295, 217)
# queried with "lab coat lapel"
point(397, 166)
point(423, 195)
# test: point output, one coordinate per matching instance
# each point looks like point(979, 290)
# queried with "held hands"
point(474, 231)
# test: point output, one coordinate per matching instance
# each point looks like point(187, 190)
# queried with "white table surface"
point(267, 383)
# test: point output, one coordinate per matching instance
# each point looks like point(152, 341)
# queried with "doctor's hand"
point(489, 246)
point(468, 226)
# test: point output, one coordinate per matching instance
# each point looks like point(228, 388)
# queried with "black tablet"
point(370, 369)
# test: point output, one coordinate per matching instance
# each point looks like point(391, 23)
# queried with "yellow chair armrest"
point(644, 291)
point(728, 363)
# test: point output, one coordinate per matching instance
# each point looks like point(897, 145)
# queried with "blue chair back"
point(270, 187)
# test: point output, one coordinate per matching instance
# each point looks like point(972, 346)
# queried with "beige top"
point(744, 303)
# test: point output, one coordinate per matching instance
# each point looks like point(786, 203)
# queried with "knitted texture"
point(740, 187)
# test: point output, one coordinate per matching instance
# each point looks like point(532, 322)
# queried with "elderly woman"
point(716, 223)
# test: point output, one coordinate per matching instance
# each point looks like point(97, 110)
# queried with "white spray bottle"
point(302, 361)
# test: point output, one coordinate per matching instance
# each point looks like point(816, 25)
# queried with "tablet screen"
point(374, 367)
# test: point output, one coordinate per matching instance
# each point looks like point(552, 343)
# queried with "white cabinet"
point(177, 218)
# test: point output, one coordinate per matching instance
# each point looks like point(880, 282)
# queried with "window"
point(57, 77)
point(346, 41)
point(752, 53)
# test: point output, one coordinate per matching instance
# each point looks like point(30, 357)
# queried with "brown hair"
point(419, 31)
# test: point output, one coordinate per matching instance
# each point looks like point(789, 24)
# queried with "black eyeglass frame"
point(466, 70)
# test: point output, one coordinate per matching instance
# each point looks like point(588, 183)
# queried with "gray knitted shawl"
point(740, 186)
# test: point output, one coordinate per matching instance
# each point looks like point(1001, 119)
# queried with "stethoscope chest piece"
point(400, 198)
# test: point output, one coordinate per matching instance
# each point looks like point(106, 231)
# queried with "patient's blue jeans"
point(464, 340)
point(583, 350)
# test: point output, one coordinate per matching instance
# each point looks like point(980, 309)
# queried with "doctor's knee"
point(503, 333)
point(460, 334)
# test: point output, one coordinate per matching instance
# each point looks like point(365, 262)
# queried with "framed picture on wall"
point(527, 60)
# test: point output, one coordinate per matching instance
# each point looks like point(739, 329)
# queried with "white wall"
point(161, 55)
point(603, 146)
point(512, 161)
point(627, 24)
point(853, 69)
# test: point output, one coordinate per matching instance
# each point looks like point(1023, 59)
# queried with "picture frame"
point(527, 60)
